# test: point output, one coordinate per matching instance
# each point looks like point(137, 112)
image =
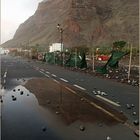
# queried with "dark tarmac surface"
point(34, 116)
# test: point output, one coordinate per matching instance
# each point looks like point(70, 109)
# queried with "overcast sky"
point(13, 13)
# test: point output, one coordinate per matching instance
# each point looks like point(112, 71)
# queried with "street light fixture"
point(61, 30)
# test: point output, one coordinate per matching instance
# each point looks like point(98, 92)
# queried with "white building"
point(4, 51)
point(56, 47)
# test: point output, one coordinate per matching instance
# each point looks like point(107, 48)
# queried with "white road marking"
point(4, 81)
point(64, 80)
point(47, 75)
point(107, 100)
point(104, 110)
point(42, 69)
point(79, 87)
point(41, 72)
point(54, 75)
point(47, 72)
point(5, 74)
point(56, 81)
point(70, 90)
point(97, 106)
point(44, 74)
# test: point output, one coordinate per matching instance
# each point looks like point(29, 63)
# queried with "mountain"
point(85, 23)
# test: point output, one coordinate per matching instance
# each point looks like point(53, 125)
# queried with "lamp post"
point(61, 30)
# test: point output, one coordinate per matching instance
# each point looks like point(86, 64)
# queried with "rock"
point(48, 101)
point(136, 122)
point(107, 75)
point(128, 106)
point(121, 112)
point(103, 93)
point(136, 132)
point(94, 92)
point(117, 77)
point(12, 96)
point(57, 112)
point(14, 99)
point(82, 99)
point(126, 70)
point(129, 82)
point(136, 84)
point(44, 129)
point(132, 105)
point(118, 102)
point(99, 92)
point(82, 127)
point(133, 81)
point(110, 71)
point(134, 113)
point(108, 138)
point(100, 125)
point(21, 93)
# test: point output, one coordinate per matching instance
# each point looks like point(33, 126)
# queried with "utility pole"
point(93, 60)
point(75, 57)
point(130, 61)
point(61, 30)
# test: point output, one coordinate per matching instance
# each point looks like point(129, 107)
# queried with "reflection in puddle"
point(69, 106)
point(21, 118)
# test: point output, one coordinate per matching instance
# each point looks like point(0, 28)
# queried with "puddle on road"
point(11, 83)
point(27, 116)
point(21, 118)
point(70, 107)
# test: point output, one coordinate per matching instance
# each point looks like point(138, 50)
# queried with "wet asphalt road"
point(23, 119)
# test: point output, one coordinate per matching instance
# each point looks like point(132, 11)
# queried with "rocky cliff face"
point(85, 23)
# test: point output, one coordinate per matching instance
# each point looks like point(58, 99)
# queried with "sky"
point(13, 13)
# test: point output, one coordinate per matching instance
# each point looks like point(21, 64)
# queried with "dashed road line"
point(104, 110)
point(47, 72)
point(70, 90)
point(107, 100)
point(64, 80)
point(56, 81)
point(5, 74)
point(54, 75)
point(42, 69)
point(41, 72)
point(97, 106)
point(4, 81)
point(46, 75)
point(79, 87)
